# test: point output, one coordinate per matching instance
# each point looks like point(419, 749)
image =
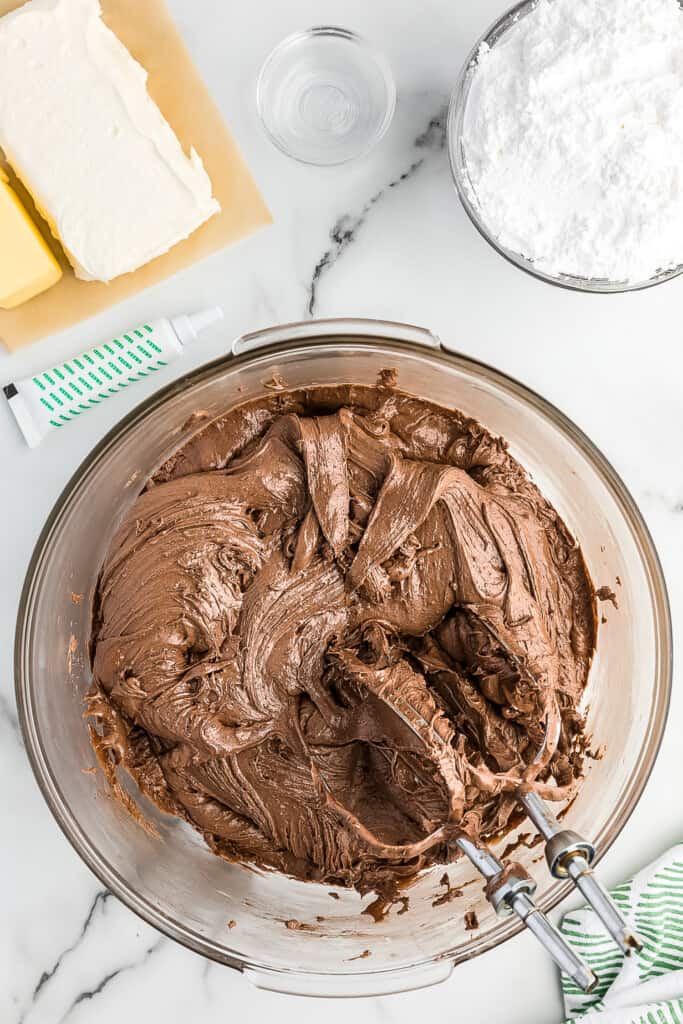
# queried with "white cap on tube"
point(188, 326)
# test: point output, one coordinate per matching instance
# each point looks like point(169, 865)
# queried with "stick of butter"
point(27, 267)
point(82, 133)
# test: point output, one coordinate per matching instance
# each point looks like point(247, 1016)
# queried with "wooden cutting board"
point(147, 29)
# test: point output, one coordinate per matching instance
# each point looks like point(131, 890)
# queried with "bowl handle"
point(379, 983)
point(353, 327)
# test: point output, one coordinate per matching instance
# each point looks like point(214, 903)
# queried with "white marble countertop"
point(382, 237)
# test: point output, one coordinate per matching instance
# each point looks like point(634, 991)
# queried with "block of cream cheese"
point(81, 131)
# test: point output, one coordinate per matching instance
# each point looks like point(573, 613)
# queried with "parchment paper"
point(146, 28)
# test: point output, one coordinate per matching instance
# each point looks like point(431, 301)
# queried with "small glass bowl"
point(325, 96)
point(457, 113)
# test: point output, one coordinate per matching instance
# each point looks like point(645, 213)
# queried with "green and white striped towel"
point(647, 987)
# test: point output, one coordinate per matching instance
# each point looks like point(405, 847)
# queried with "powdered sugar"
point(573, 137)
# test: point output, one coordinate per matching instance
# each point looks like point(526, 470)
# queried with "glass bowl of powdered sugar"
point(565, 137)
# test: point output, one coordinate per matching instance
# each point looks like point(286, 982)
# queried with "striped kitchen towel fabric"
point(647, 987)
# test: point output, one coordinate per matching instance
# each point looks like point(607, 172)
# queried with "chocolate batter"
point(337, 626)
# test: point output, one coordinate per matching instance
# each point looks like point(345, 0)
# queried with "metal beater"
point(509, 890)
point(570, 856)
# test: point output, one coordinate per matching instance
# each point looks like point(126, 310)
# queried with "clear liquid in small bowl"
point(325, 96)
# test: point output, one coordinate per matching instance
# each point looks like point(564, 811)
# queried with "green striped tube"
point(63, 393)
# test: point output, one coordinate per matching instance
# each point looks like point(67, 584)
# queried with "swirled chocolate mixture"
point(339, 625)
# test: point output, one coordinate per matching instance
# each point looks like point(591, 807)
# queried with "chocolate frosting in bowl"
point(338, 626)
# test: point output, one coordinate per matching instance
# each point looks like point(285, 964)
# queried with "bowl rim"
point(457, 108)
point(108, 876)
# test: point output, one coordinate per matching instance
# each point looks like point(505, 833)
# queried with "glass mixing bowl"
point(172, 880)
point(457, 119)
